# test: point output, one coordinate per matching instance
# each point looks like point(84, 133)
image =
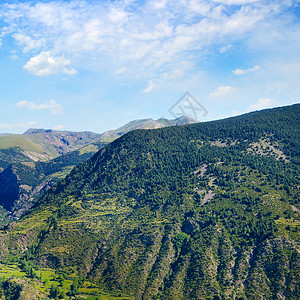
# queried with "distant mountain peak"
point(37, 130)
point(149, 123)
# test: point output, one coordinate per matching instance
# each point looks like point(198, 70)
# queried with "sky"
point(96, 65)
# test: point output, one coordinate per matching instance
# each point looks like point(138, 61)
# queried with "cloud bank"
point(132, 35)
point(51, 105)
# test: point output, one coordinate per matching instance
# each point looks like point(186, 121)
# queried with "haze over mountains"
point(204, 211)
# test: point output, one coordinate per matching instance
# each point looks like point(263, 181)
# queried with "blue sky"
point(96, 65)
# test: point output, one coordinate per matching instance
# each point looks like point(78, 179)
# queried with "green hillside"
point(23, 181)
point(21, 142)
point(205, 211)
point(27, 174)
point(27, 167)
point(18, 148)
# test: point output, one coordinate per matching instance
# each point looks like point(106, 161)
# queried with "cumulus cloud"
point(239, 72)
point(222, 91)
point(262, 103)
point(149, 88)
point(44, 64)
point(51, 105)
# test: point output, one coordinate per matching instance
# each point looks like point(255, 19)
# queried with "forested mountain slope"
point(26, 162)
point(22, 183)
point(204, 211)
point(32, 162)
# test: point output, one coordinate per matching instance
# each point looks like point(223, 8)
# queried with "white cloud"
point(225, 48)
point(140, 36)
point(175, 74)
point(51, 105)
point(244, 20)
point(117, 15)
point(262, 103)
point(149, 88)
point(235, 2)
point(14, 57)
point(44, 64)
point(222, 91)
point(27, 42)
point(59, 127)
point(159, 4)
point(121, 70)
point(16, 125)
point(239, 72)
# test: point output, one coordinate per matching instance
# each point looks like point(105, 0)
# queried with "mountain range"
point(32, 162)
point(203, 211)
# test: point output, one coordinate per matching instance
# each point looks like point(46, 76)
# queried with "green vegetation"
point(3, 216)
point(205, 211)
point(21, 142)
point(47, 282)
point(56, 143)
point(28, 170)
point(23, 182)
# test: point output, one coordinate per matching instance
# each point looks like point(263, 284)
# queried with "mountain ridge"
point(133, 217)
point(35, 171)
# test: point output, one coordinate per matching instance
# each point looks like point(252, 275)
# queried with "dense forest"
point(202, 211)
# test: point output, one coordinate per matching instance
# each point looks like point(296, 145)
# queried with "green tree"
point(54, 291)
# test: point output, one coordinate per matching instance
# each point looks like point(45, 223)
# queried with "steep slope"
point(28, 155)
point(18, 148)
point(17, 140)
point(23, 183)
point(27, 167)
point(40, 145)
point(205, 211)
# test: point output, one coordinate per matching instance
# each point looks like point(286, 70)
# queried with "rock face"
point(111, 135)
point(57, 142)
point(20, 186)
